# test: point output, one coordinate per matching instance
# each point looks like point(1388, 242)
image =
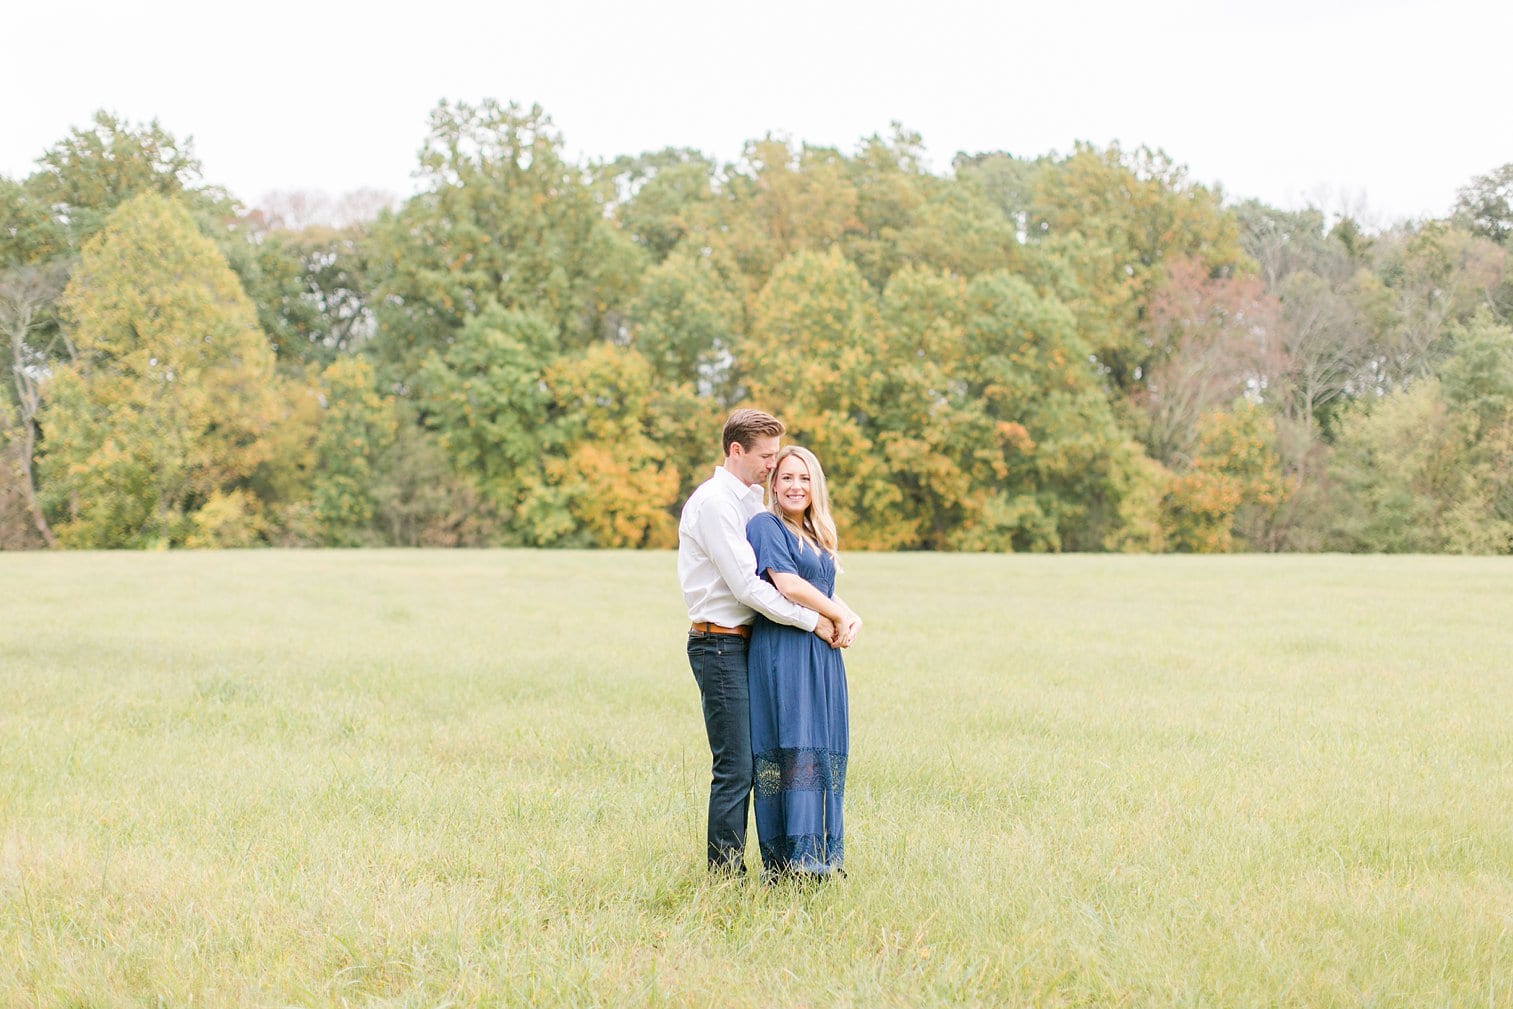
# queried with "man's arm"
point(724, 537)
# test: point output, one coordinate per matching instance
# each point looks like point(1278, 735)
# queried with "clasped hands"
point(839, 634)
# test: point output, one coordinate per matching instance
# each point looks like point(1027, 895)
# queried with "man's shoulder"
point(708, 495)
point(700, 494)
point(713, 489)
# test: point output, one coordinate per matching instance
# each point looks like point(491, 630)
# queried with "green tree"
point(487, 400)
point(1395, 463)
point(356, 427)
point(686, 322)
point(891, 184)
point(660, 198)
point(420, 501)
point(1430, 278)
point(1430, 468)
point(84, 177)
point(1061, 466)
point(957, 229)
point(30, 234)
point(313, 293)
point(504, 219)
point(930, 429)
point(1485, 204)
point(165, 407)
point(1116, 219)
point(1478, 388)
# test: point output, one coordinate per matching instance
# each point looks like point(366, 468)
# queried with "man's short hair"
point(746, 426)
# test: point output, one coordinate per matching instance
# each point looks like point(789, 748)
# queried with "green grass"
point(478, 778)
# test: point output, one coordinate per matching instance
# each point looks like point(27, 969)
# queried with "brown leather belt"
point(705, 627)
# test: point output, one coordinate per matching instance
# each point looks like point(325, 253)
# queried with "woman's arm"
point(845, 634)
point(797, 589)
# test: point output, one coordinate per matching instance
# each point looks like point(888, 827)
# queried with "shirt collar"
point(734, 483)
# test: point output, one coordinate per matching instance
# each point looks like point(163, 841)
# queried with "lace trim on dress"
point(800, 770)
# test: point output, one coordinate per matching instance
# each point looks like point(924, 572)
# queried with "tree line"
point(1079, 351)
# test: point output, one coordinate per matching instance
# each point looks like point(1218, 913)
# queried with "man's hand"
point(826, 631)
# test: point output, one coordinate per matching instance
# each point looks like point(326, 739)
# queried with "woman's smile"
point(792, 485)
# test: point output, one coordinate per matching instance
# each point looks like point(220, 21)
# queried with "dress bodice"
point(779, 548)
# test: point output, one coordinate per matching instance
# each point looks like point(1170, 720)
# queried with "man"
point(717, 568)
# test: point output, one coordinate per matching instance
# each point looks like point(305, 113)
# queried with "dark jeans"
point(719, 666)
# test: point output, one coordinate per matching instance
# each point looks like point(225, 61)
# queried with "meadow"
point(420, 778)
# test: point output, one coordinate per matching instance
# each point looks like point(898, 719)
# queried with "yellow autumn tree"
point(162, 412)
point(1235, 469)
point(816, 357)
point(612, 478)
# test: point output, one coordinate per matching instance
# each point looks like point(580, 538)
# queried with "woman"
point(800, 733)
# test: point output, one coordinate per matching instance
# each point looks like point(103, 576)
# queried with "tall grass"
point(478, 778)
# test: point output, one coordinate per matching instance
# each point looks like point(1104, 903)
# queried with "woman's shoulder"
point(765, 522)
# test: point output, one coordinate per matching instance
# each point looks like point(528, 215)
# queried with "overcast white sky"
point(1396, 103)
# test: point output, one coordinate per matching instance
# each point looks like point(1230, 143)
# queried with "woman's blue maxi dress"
point(800, 732)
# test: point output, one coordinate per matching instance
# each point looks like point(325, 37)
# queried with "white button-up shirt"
point(717, 565)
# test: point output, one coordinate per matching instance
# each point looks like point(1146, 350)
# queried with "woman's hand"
point(849, 629)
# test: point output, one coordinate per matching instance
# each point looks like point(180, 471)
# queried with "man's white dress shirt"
point(717, 565)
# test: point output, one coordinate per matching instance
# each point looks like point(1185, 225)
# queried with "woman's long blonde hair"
point(818, 527)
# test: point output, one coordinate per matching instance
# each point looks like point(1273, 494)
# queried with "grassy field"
point(478, 778)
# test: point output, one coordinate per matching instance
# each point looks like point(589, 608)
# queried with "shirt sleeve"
point(724, 537)
point(774, 551)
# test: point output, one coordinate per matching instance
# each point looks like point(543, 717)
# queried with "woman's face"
point(791, 486)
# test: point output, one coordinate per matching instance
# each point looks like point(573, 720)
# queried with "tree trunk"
point(29, 486)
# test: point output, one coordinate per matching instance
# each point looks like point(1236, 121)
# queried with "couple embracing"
point(765, 648)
